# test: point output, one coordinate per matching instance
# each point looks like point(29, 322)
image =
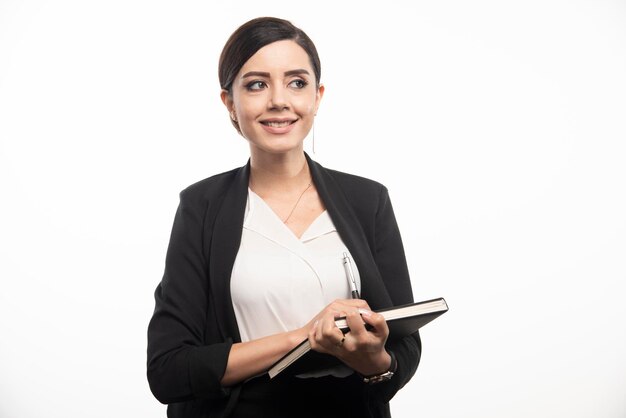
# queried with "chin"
point(280, 150)
point(277, 144)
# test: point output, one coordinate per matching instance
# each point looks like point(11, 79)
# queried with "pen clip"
point(350, 276)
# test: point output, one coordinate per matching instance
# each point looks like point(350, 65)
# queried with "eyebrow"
point(267, 75)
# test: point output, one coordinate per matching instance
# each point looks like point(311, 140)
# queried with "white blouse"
point(279, 281)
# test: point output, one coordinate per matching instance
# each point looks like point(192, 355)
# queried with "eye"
point(256, 85)
point(298, 84)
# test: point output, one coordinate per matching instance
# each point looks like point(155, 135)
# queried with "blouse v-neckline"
point(321, 225)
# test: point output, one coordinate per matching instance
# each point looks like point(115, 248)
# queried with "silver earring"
point(233, 116)
point(313, 138)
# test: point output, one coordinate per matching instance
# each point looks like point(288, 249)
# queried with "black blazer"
point(194, 325)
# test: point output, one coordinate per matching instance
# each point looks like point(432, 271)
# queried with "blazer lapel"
point(225, 242)
point(372, 287)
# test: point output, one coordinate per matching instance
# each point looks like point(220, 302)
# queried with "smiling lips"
point(278, 126)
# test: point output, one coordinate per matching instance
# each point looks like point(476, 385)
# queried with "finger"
point(313, 330)
point(326, 333)
point(327, 337)
point(355, 323)
point(377, 323)
point(329, 329)
point(340, 341)
point(317, 338)
point(345, 304)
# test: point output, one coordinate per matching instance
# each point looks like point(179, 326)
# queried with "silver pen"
point(347, 265)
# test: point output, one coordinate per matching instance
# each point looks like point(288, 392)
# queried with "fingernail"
point(365, 312)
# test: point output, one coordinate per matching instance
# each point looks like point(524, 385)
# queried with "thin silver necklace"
point(297, 201)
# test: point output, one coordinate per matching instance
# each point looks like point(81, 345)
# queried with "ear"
point(318, 96)
point(227, 99)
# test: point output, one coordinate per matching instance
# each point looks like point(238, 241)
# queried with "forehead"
point(279, 56)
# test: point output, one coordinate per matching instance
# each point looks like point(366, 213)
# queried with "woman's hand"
point(361, 349)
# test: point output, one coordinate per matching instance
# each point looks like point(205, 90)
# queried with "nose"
point(278, 99)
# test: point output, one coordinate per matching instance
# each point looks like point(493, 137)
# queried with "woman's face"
point(274, 98)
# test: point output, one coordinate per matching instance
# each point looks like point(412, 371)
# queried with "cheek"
point(307, 107)
point(247, 107)
point(304, 104)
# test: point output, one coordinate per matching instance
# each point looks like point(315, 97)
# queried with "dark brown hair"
point(254, 35)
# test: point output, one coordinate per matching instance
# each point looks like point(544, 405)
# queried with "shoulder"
point(211, 186)
point(359, 191)
point(353, 181)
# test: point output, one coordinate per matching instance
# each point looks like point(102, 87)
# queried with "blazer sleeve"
point(181, 366)
point(391, 262)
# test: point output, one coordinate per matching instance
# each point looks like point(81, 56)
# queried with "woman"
point(255, 261)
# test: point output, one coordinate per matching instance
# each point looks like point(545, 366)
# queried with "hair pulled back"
point(254, 35)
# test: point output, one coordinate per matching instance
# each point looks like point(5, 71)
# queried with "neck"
point(278, 172)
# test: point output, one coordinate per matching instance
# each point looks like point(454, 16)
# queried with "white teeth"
point(277, 124)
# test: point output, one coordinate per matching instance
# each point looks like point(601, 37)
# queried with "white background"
point(499, 128)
